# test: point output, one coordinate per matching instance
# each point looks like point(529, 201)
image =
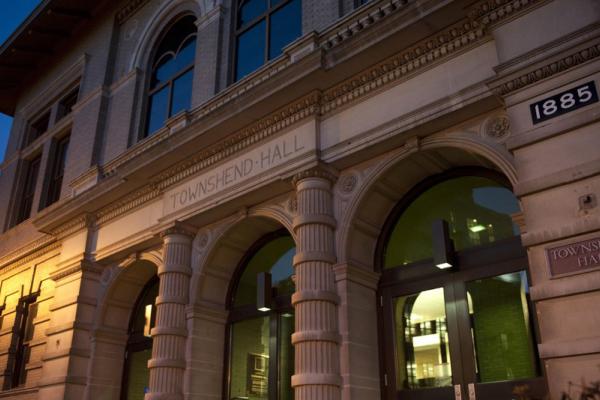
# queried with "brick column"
point(167, 366)
point(317, 338)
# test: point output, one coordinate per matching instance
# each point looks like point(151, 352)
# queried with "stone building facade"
point(398, 202)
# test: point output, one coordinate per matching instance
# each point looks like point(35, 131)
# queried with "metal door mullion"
point(464, 325)
point(273, 376)
point(454, 339)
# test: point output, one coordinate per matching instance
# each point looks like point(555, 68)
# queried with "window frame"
point(280, 305)
point(135, 341)
point(413, 194)
point(423, 275)
point(237, 32)
point(55, 174)
point(27, 181)
point(32, 133)
point(18, 377)
point(153, 62)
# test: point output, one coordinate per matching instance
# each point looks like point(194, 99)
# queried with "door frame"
point(497, 258)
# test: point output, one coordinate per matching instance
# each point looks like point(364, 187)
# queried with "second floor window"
point(37, 128)
point(17, 361)
point(263, 29)
point(31, 173)
point(170, 89)
point(57, 171)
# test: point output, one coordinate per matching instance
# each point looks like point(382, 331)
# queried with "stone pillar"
point(317, 338)
point(167, 366)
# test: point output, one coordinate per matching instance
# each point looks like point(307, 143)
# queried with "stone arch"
point(227, 249)
point(156, 25)
point(122, 285)
point(227, 244)
point(396, 173)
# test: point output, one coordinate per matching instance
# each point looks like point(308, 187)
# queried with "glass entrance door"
point(465, 332)
point(469, 330)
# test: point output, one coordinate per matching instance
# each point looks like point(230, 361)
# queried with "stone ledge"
point(566, 286)
point(569, 348)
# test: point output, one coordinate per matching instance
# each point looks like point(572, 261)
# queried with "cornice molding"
point(350, 26)
point(567, 62)
point(127, 203)
point(29, 253)
point(427, 53)
point(129, 9)
point(82, 266)
point(291, 114)
point(409, 62)
point(75, 225)
point(493, 12)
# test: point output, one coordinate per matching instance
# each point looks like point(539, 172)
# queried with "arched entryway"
point(384, 188)
point(455, 310)
point(226, 326)
point(115, 372)
point(260, 360)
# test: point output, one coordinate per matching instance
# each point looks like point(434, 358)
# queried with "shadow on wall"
point(575, 391)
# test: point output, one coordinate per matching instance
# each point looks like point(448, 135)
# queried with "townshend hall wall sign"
point(575, 257)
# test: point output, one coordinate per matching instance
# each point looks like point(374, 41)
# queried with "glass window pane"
point(185, 57)
point(286, 25)
point(143, 315)
point(164, 71)
point(286, 356)
point(182, 93)
point(176, 35)
point(157, 110)
point(250, 50)
point(138, 375)
point(250, 10)
point(422, 351)
point(478, 211)
point(274, 257)
point(249, 363)
point(501, 329)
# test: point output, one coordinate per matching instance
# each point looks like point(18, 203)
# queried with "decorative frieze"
point(567, 62)
point(357, 23)
point(409, 62)
point(260, 130)
point(492, 12)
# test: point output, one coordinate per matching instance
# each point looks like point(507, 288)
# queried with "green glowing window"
point(261, 356)
point(477, 209)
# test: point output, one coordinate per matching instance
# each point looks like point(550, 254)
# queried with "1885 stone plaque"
point(574, 257)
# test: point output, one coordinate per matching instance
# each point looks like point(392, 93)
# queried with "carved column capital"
point(322, 171)
point(179, 228)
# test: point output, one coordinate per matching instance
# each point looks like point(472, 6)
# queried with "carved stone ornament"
point(292, 204)
point(348, 183)
point(202, 240)
point(497, 128)
point(317, 172)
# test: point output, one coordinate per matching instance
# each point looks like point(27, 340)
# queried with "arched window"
point(263, 29)
point(172, 71)
point(261, 356)
point(467, 323)
point(477, 208)
point(138, 352)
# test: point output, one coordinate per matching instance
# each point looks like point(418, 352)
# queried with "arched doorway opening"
point(260, 356)
point(138, 351)
point(467, 328)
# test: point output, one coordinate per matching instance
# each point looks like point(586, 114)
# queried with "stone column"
point(317, 338)
point(167, 366)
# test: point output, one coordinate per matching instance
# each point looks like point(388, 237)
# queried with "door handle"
point(471, 388)
point(457, 392)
